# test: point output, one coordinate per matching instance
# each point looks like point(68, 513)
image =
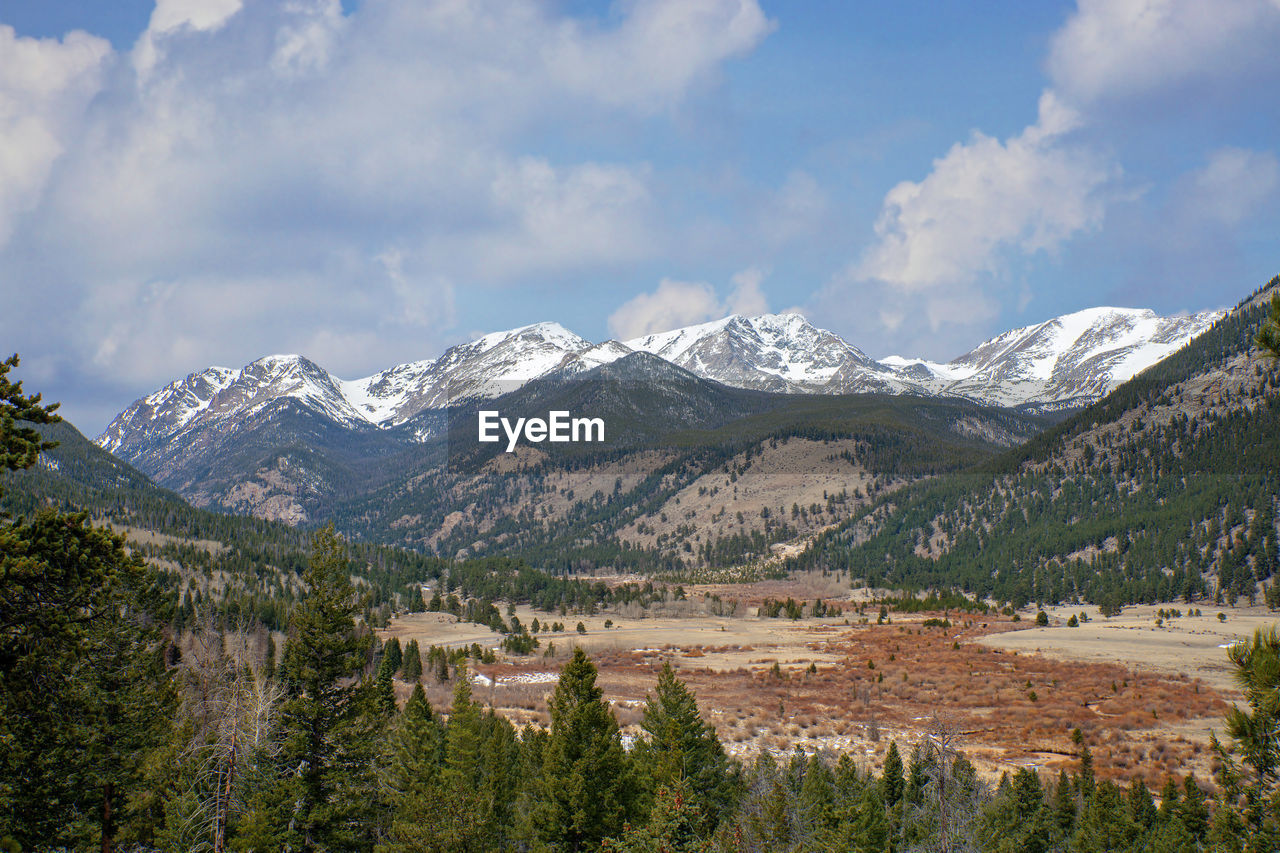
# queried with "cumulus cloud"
point(252, 177)
point(45, 85)
point(1114, 50)
point(945, 245)
point(683, 303)
point(660, 49)
point(984, 197)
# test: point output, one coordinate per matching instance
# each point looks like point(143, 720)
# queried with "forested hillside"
point(1165, 489)
point(569, 509)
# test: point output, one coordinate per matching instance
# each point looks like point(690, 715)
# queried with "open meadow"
point(1144, 697)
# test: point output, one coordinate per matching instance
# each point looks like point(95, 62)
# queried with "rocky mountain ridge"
point(1066, 362)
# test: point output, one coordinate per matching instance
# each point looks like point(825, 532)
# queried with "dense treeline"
point(1164, 490)
point(212, 748)
point(896, 437)
point(120, 733)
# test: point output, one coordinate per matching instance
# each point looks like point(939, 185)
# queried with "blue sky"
point(196, 182)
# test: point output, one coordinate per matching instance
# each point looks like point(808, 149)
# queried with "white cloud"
point(204, 15)
point(1233, 184)
point(1118, 49)
point(683, 303)
point(985, 197)
point(660, 49)
point(252, 157)
point(45, 85)
point(945, 245)
point(672, 305)
point(549, 218)
point(747, 298)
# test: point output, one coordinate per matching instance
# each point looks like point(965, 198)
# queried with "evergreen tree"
point(1105, 824)
point(1268, 337)
point(891, 779)
point(1064, 805)
point(672, 828)
point(817, 803)
point(307, 808)
point(394, 654)
point(681, 747)
point(84, 695)
point(20, 446)
point(585, 788)
point(1255, 733)
point(1193, 811)
point(385, 685)
point(411, 665)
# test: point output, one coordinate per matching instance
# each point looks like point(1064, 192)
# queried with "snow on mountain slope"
point(773, 352)
point(491, 365)
point(1070, 360)
point(1067, 361)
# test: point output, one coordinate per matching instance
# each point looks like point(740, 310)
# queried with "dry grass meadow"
point(1145, 697)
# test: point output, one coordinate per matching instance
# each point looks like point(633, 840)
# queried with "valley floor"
point(1145, 697)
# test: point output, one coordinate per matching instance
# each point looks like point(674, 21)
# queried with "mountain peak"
point(1068, 360)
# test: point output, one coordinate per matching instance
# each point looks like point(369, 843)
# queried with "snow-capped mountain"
point(220, 394)
point(492, 365)
point(1065, 362)
point(774, 352)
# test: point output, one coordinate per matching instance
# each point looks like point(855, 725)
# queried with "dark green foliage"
point(85, 696)
point(682, 754)
point(892, 783)
point(586, 786)
point(1146, 497)
point(20, 446)
point(317, 802)
point(1268, 337)
point(393, 654)
point(674, 827)
point(411, 663)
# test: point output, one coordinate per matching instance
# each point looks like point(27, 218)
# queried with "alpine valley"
point(729, 442)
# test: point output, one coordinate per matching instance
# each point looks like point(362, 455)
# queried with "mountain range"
point(1163, 488)
point(1063, 363)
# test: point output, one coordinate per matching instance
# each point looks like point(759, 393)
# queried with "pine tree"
point(891, 779)
point(411, 665)
point(1193, 811)
point(1254, 732)
point(394, 654)
point(303, 810)
point(672, 828)
point(1064, 805)
point(413, 777)
point(1105, 824)
point(20, 446)
point(386, 686)
point(1268, 337)
point(585, 788)
point(681, 747)
point(84, 695)
point(817, 803)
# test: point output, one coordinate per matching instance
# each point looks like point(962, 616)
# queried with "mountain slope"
point(774, 352)
point(1063, 363)
point(1164, 489)
point(282, 438)
point(588, 505)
